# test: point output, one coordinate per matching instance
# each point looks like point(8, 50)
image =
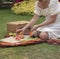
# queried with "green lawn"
point(39, 51)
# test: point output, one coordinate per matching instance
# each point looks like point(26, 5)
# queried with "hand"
point(20, 30)
point(34, 27)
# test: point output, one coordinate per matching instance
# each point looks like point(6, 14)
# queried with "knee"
point(43, 35)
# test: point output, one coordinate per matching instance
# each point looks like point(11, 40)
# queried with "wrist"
point(38, 25)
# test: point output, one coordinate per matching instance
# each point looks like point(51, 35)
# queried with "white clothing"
point(53, 8)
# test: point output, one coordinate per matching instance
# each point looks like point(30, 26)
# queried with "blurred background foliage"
point(25, 7)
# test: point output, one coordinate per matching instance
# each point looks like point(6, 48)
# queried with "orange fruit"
point(30, 33)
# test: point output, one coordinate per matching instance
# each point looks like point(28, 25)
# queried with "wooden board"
point(11, 41)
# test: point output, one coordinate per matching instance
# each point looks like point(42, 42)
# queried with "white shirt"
point(53, 8)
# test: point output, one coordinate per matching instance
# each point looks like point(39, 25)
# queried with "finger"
point(32, 29)
point(18, 31)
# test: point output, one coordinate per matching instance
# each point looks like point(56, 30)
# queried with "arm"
point(32, 22)
point(50, 21)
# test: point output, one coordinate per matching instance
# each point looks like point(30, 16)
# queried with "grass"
point(39, 51)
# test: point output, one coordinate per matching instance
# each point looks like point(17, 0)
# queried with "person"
point(50, 28)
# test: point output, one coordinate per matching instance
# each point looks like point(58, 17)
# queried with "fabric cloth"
point(53, 9)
